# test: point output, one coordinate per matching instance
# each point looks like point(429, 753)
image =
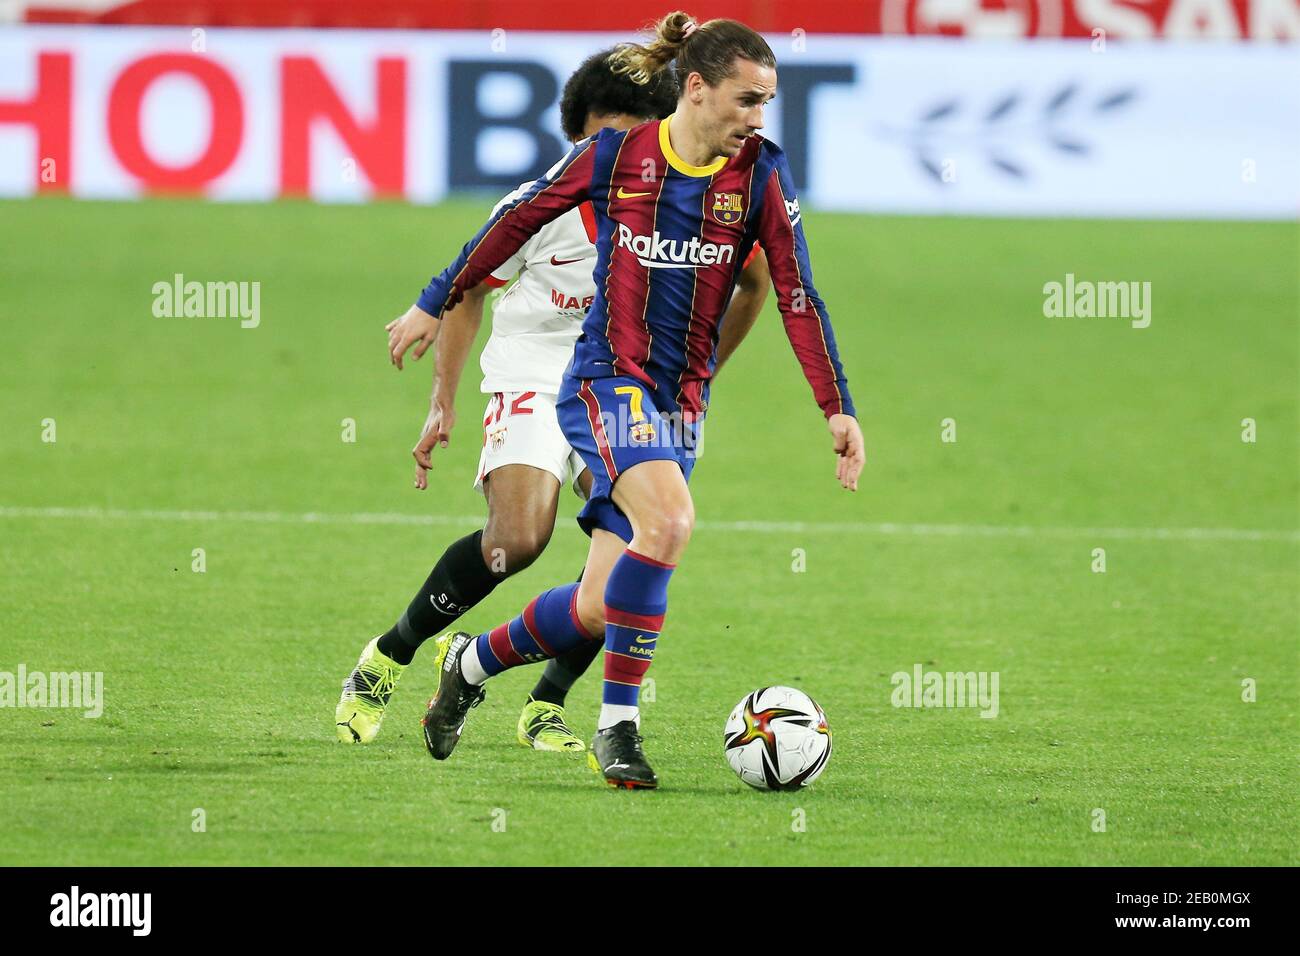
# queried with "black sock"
point(562, 672)
point(458, 581)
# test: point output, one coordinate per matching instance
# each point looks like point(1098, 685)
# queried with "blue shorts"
point(615, 423)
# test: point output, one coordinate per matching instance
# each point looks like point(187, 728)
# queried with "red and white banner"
point(225, 113)
point(1048, 127)
point(1263, 20)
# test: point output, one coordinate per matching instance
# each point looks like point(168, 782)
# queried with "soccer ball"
point(777, 739)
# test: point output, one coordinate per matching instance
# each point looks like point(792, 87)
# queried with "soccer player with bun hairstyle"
point(679, 203)
point(526, 460)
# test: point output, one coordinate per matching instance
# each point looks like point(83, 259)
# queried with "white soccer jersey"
point(537, 320)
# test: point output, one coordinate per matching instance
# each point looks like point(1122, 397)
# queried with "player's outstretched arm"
point(564, 186)
point(460, 327)
point(417, 327)
point(807, 322)
point(746, 304)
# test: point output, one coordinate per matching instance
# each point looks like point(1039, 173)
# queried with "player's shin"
point(548, 627)
point(636, 599)
point(460, 580)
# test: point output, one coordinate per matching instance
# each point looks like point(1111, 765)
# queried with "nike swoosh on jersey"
point(623, 194)
point(563, 262)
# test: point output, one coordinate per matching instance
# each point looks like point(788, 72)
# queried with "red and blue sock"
point(548, 627)
point(636, 599)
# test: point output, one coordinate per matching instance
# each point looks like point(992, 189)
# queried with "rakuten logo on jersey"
point(656, 252)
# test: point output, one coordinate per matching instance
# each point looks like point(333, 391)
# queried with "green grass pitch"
point(1119, 691)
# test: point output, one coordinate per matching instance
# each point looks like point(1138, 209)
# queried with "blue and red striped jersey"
point(671, 239)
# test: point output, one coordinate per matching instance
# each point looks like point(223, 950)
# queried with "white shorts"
point(520, 428)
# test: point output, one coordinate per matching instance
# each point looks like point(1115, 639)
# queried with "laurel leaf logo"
point(1008, 126)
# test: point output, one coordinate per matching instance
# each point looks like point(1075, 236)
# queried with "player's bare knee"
point(591, 612)
point(668, 531)
point(509, 550)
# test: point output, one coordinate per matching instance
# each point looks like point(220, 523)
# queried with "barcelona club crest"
point(642, 433)
point(727, 208)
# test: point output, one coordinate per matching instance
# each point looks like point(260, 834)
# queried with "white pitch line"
point(755, 527)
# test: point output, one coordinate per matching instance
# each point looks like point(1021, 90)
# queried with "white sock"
point(470, 667)
point(611, 714)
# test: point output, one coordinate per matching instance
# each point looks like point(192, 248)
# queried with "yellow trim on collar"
point(679, 164)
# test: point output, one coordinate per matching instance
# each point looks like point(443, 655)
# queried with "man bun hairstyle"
point(709, 49)
point(596, 88)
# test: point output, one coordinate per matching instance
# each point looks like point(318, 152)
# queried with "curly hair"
point(595, 88)
point(709, 49)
